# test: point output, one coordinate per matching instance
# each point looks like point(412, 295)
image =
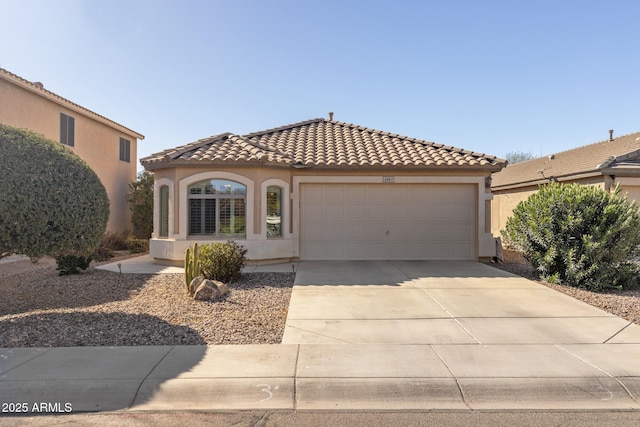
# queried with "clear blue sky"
point(489, 76)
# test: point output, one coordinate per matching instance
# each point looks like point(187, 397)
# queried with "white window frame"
point(286, 203)
point(217, 198)
point(183, 203)
point(156, 207)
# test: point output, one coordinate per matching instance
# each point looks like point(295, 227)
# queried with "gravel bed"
point(38, 308)
point(625, 304)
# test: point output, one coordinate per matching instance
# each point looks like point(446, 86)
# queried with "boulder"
point(210, 290)
point(195, 283)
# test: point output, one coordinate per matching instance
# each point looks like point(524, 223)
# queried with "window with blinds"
point(217, 208)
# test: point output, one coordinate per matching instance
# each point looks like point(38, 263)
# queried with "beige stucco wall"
point(173, 247)
point(505, 201)
point(96, 143)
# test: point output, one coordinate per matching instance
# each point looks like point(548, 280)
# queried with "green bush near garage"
point(578, 235)
point(51, 202)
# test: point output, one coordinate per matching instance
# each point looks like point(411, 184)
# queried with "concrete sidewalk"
point(365, 336)
point(323, 377)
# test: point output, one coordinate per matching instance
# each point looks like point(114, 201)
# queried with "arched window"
point(164, 211)
point(217, 208)
point(274, 211)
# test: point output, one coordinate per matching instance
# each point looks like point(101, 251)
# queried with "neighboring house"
point(109, 148)
point(603, 164)
point(323, 190)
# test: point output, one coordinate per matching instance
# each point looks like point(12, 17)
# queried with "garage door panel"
point(334, 194)
point(377, 211)
point(355, 193)
point(313, 212)
point(334, 212)
point(377, 194)
point(312, 232)
point(451, 211)
point(355, 212)
point(313, 193)
point(387, 221)
point(418, 211)
point(334, 232)
point(399, 211)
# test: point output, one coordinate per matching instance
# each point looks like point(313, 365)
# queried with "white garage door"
point(387, 221)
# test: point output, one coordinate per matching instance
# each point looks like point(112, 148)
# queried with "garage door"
point(387, 221)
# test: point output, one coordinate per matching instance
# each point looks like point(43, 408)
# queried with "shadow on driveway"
point(389, 273)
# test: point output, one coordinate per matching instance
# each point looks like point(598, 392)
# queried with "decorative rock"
point(210, 290)
point(195, 283)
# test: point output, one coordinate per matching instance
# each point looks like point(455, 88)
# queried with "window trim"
point(280, 191)
point(183, 212)
point(285, 205)
point(218, 209)
point(156, 208)
point(163, 230)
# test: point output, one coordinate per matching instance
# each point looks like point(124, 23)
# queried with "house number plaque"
point(388, 179)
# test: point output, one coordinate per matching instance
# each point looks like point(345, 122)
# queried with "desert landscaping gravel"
point(38, 308)
point(625, 304)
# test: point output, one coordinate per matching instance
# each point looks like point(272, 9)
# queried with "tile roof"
point(589, 159)
point(38, 88)
point(321, 143)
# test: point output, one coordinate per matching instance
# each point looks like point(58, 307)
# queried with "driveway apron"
point(437, 302)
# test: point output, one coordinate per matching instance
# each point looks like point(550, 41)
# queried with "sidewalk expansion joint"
point(27, 361)
point(601, 370)
point(453, 375)
point(295, 379)
point(135, 395)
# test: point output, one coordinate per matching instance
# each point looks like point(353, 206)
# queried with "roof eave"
point(51, 96)
point(546, 180)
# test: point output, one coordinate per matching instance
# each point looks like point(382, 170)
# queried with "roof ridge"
point(39, 86)
point(591, 144)
point(422, 142)
point(285, 127)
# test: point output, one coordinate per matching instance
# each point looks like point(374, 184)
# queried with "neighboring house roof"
point(614, 156)
point(39, 89)
point(321, 143)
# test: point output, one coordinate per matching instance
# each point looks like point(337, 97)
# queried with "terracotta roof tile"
point(322, 143)
point(587, 159)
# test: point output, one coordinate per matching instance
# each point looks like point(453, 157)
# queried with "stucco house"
point(323, 190)
point(604, 164)
point(109, 148)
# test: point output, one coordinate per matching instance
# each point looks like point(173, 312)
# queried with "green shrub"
point(137, 246)
point(222, 261)
point(116, 241)
point(578, 235)
point(72, 264)
point(51, 202)
point(140, 198)
point(102, 254)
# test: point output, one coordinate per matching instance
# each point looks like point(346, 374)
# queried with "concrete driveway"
point(438, 302)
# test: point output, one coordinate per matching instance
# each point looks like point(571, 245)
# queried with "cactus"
point(191, 265)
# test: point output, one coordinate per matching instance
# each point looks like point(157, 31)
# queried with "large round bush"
point(578, 235)
point(51, 202)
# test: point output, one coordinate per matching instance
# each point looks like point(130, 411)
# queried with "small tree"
point(140, 200)
point(514, 157)
point(51, 202)
point(578, 235)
